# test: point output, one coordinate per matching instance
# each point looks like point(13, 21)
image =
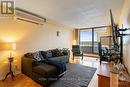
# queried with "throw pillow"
point(43, 54)
point(65, 51)
point(30, 55)
point(46, 54)
point(56, 52)
point(37, 56)
point(59, 52)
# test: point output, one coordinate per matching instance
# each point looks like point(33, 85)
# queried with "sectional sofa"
point(33, 65)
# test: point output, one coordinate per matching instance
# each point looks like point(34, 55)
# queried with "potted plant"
point(115, 58)
point(115, 54)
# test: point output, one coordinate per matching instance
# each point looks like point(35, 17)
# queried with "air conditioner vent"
point(30, 17)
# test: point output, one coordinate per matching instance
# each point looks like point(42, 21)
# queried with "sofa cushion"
point(60, 58)
point(49, 54)
point(56, 52)
point(29, 55)
point(46, 54)
point(45, 70)
point(65, 51)
point(61, 66)
point(36, 55)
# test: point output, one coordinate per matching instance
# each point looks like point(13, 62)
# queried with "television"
point(114, 29)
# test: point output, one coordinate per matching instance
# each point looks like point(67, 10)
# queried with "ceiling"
point(75, 13)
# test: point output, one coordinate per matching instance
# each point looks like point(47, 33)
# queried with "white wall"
point(29, 38)
point(125, 20)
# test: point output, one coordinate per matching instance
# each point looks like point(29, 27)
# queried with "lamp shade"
point(8, 46)
point(74, 42)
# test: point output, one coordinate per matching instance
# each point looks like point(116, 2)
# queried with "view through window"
point(89, 39)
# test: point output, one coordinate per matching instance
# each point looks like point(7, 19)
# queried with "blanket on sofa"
point(61, 66)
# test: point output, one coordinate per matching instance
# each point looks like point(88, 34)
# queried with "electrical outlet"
point(16, 66)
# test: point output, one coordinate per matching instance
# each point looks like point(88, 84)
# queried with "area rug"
point(75, 76)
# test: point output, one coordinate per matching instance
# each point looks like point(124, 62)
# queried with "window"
point(87, 36)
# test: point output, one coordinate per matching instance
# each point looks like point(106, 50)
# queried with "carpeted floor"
point(75, 76)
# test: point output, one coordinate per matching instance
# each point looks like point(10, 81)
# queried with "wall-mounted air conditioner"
point(30, 17)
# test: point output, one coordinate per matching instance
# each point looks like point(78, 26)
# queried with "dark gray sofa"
point(60, 58)
point(41, 72)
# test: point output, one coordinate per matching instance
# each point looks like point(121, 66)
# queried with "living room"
point(58, 25)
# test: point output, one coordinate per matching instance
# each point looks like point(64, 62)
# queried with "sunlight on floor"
point(87, 61)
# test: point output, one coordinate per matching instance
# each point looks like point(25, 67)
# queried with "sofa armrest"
point(27, 65)
point(68, 56)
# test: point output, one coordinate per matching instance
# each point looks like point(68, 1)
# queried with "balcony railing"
point(87, 47)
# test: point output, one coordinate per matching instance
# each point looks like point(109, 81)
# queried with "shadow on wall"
point(128, 23)
point(128, 18)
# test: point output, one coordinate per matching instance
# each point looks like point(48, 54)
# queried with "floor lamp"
point(11, 47)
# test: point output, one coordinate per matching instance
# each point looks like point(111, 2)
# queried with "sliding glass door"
point(89, 38)
point(86, 41)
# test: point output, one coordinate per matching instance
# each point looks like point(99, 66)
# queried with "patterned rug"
point(75, 76)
